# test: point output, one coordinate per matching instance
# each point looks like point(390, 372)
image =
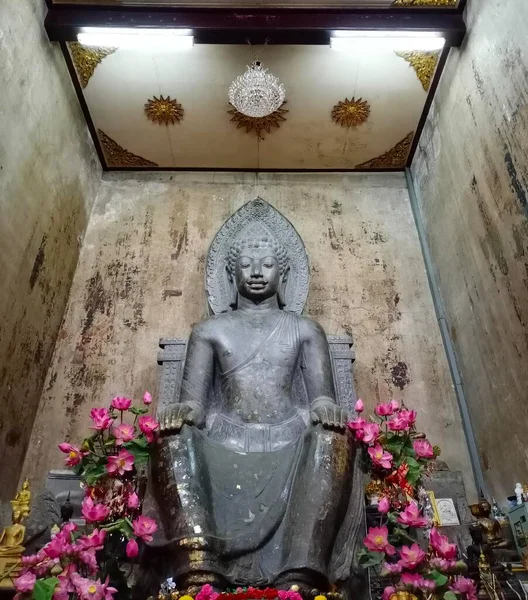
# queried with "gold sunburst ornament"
point(351, 113)
point(258, 124)
point(164, 110)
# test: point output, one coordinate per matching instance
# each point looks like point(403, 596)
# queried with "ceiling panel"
point(117, 84)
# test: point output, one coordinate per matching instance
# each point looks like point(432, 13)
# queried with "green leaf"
point(450, 596)
point(139, 441)
point(95, 471)
point(414, 474)
point(413, 464)
point(44, 588)
point(439, 578)
point(141, 456)
point(139, 411)
point(371, 559)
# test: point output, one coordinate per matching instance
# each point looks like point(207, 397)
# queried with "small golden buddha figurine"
point(490, 526)
point(12, 537)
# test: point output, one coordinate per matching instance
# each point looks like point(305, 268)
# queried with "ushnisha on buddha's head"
point(258, 267)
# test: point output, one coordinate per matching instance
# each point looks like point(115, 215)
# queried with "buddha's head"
point(257, 266)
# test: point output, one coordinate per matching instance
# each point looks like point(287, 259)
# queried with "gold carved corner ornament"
point(258, 124)
point(424, 65)
point(86, 59)
point(351, 113)
point(446, 3)
point(163, 110)
point(117, 156)
point(395, 158)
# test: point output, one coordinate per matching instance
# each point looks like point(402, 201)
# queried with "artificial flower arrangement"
point(397, 457)
point(86, 562)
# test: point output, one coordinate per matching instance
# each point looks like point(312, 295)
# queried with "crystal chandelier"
point(256, 93)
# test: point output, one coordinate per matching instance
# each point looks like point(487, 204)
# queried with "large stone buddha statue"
point(253, 476)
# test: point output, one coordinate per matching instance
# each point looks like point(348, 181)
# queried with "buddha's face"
point(257, 273)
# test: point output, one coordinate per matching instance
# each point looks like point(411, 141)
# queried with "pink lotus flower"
point(87, 557)
point(288, 595)
point(148, 426)
point(357, 423)
point(384, 410)
point(384, 505)
point(124, 461)
point(88, 589)
point(395, 405)
point(398, 423)
point(26, 582)
point(409, 416)
point(95, 540)
point(377, 540)
point(388, 592)
point(423, 449)
point(392, 569)
point(57, 547)
point(411, 579)
point(123, 433)
point(75, 455)
point(133, 500)
point(147, 398)
point(144, 527)
point(380, 457)
point(94, 512)
point(370, 433)
point(411, 556)
point(411, 516)
point(101, 419)
point(207, 593)
point(359, 407)
point(132, 548)
point(121, 403)
point(441, 545)
point(65, 586)
point(442, 564)
point(427, 585)
point(464, 585)
point(108, 590)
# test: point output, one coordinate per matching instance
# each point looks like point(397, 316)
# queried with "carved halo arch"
point(255, 212)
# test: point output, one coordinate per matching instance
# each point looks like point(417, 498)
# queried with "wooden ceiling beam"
point(274, 26)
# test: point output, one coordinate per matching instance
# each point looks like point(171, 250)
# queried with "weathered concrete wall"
point(140, 277)
point(48, 181)
point(472, 175)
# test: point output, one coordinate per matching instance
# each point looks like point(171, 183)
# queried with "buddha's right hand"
point(174, 417)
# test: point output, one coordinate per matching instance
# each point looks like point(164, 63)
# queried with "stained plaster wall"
point(471, 173)
point(48, 181)
point(140, 277)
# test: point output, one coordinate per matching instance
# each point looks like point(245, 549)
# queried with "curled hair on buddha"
point(279, 252)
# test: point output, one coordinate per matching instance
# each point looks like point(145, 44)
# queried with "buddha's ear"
point(281, 292)
point(233, 297)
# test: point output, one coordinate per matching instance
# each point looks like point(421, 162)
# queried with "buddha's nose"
point(256, 271)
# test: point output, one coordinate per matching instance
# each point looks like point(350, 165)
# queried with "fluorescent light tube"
point(386, 40)
point(127, 38)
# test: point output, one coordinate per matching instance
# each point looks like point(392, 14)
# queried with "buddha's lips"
point(257, 284)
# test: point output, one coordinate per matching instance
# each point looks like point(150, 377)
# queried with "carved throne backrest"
point(171, 358)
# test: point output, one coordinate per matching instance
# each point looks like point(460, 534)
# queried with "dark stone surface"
point(255, 476)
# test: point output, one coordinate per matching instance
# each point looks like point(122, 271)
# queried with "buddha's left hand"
point(329, 414)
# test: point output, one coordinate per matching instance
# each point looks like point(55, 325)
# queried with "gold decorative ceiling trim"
point(395, 158)
point(117, 156)
point(86, 59)
point(351, 113)
point(258, 124)
point(163, 110)
point(424, 65)
point(424, 3)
